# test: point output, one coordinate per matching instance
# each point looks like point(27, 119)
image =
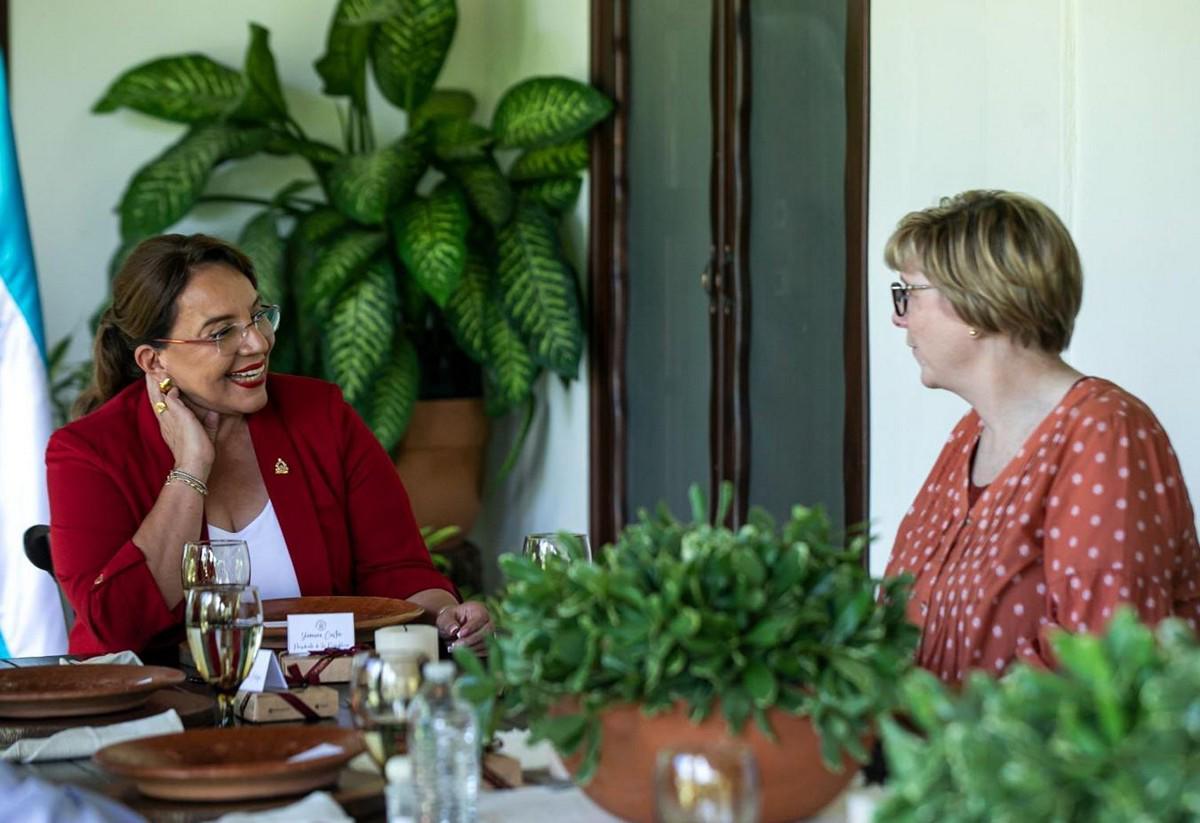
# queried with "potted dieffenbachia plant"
point(400, 259)
point(773, 634)
point(1112, 735)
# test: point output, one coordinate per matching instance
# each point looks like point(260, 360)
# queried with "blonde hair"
point(1004, 261)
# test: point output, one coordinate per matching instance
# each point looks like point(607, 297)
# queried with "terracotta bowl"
point(794, 781)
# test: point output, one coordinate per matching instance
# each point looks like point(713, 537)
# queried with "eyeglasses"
point(900, 295)
point(230, 338)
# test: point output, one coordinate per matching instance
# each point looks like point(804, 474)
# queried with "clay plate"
point(73, 691)
point(241, 763)
point(370, 613)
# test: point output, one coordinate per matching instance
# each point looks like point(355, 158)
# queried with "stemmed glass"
point(224, 630)
point(565, 545)
point(381, 688)
point(215, 563)
point(706, 784)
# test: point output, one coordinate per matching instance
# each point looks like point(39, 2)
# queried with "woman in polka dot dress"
point(1058, 496)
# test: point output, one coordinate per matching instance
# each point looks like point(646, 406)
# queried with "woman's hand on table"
point(465, 624)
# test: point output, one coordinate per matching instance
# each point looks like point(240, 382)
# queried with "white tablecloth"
point(542, 804)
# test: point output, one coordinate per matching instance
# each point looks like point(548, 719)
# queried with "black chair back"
point(37, 548)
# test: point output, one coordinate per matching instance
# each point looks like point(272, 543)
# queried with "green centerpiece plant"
point(749, 626)
point(398, 259)
point(1111, 736)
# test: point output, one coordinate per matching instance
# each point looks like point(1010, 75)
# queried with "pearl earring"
point(973, 332)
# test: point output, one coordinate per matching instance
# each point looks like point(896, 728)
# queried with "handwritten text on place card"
point(265, 674)
point(315, 632)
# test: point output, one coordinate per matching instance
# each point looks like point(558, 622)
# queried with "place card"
point(317, 632)
point(265, 675)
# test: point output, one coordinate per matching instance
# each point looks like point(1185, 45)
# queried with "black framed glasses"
point(900, 295)
point(228, 340)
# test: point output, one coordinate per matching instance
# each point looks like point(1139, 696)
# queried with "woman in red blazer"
point(184, 427)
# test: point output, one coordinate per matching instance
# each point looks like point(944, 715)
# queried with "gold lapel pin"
point(281, 467)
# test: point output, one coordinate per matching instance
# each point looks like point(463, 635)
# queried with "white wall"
point(75, 165)
point(1089, 106)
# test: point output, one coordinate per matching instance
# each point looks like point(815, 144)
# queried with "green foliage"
point(694, 613)
point(1112, 736)
point(431, 212)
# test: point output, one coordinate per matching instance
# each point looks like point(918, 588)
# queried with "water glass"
point(224, 631)
point(381, 688)
point(706, 784)
point(216, 563)
point(563, 545)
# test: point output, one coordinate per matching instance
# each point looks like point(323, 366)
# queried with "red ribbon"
point(295, 678)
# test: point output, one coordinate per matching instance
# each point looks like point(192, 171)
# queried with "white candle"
point(409, 638)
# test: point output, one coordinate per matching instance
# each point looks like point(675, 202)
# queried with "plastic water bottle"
point(444, 745)
point(400, 793)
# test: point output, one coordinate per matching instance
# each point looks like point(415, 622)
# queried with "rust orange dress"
point(1092, 512)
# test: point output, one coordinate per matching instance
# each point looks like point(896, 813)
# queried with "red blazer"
point(344, 513)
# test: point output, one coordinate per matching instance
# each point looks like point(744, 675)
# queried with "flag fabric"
point(31, 618)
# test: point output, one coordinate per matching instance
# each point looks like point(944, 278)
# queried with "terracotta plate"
point(370, 613)
point(71, 691)
point(232, 764)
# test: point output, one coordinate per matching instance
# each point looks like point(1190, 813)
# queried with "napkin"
point(125, 658)
point(318, 807)
point(532, 756)
point(71, 744)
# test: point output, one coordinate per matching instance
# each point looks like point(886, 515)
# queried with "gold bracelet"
point(189, 480)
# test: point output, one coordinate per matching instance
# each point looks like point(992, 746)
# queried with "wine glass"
point(381, 688)
point(706, 784)
point(224, 630)
point(216, 563)
point(565, 545)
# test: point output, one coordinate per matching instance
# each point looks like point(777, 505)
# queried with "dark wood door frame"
point(608, 276)
point(728, 276)
point(729, 288)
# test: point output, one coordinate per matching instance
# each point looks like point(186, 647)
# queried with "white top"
point(271, 566)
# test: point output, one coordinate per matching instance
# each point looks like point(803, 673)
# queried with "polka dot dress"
point(1092, 512)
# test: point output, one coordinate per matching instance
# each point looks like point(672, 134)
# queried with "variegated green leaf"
point(358, 336)
point(164, 189)
point(510, 369)
point(305, 245)
point(465, 309)
point(343, 67)
point(539, 289)
point(551, 161)
point(431, 238)
point(261, 242)
point(487, 189)
point(546, 110)
point(263, 97)
point(366, 12)
point(189, 88)
point(455, 138)
point(394, 393)
point(407, 50)
point(442, 104)
point(338, 265)
point(364, 187)
point(557, 194)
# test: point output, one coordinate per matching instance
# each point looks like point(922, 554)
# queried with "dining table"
point(360, 787)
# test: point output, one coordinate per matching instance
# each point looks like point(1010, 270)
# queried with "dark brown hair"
point(143, 307)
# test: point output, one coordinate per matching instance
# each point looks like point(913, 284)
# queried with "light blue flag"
point(31, 619)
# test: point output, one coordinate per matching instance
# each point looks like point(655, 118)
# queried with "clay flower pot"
point(440, 461)
point(794, 781)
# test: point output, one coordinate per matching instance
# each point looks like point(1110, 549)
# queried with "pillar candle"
point(411, 638)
